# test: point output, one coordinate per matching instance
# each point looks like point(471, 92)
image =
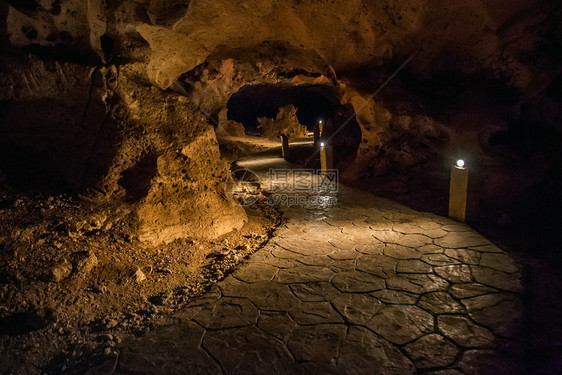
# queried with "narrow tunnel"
point(265, 111)
point(313, 103)
point(258, 187)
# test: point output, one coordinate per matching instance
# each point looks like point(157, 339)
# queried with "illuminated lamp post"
point(284, 146)
point(317, 131)
point(326, 157)
point(458, 191)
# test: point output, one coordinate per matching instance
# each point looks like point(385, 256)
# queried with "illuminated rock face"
point(184, 194)
point(82, 67)
point(466, 36)
point(285, 123)
point(102, 133)
point(228, 128)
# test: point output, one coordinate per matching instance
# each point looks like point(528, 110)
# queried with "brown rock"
point(139, 276)
point(85, 262)
point(61, 271)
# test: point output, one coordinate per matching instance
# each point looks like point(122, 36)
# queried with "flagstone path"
point(365, 287)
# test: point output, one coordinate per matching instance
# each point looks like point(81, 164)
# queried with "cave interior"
point(135, 143)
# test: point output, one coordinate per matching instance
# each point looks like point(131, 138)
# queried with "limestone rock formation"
point(228, 128)
point(103, 81)
point(286, 123)
point(104, 134)
point(393, 140)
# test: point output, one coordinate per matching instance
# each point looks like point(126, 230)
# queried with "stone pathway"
point(365, 287)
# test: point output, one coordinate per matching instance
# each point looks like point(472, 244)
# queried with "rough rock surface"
point(211, 51)
point(109, 137)
point(393, 141)
point(228, 128)
point(286, 123)
point(73, 277)
point(181, 170)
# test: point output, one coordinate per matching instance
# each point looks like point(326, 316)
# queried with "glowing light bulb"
point(322, 144)
point(460, 163)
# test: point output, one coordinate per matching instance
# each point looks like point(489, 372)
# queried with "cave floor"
point(367, 286)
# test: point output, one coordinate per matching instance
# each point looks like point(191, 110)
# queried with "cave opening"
point(271, 110)
point(312, 102)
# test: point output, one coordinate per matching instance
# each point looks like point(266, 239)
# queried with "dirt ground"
point(73, 279)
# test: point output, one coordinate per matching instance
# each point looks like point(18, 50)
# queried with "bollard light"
point(458, 191)
point(285, 146)
point(326, 158)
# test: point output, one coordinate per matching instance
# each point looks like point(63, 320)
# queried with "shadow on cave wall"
point(136, 180)
point(54, 146)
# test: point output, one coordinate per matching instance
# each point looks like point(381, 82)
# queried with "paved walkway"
point(366, 287)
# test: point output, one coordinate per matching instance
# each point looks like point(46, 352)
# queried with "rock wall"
point(177, 162)
point(286, 123)
point(79, 65)
point(58, 125)
point(228, 128)
point(186, 197)
point(108, 135)
point(392, 141)
point(516, 41)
